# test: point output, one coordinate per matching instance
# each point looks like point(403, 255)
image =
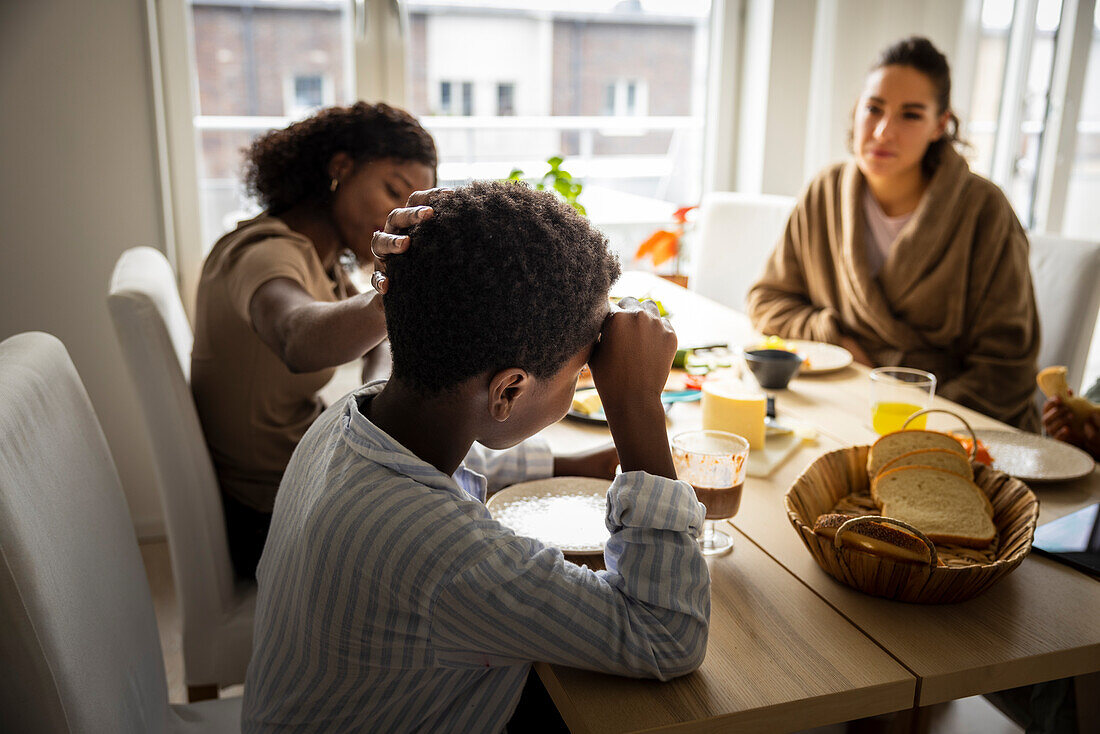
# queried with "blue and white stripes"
point(389, 600)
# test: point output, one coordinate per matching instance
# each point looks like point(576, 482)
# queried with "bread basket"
point(958, 575)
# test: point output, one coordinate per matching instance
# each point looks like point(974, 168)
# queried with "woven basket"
point(842, 475)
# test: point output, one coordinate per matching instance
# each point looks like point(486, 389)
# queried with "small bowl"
point(772, 368)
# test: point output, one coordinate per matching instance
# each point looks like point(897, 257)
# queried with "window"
point(257, 67)
point(447, 101)
point(1034, 109)
point(985, 105)
point(445, 98)
point(506, 99)
point(615, 88)
point(307, 93)
point(467, 99)
point(625, 97)
point(1082, 216)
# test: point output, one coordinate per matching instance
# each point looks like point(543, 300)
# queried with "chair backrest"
point(156, 338)
point(78, 635)
point(1066, 277)
point(737, 234)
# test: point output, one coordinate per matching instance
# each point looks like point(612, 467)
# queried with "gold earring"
point(332, 186)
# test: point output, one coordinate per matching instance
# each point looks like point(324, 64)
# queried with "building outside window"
point(261, 64)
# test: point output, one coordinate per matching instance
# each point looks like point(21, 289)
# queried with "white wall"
point(78, 185)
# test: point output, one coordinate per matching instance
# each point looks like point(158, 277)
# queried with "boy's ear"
point(505, 389)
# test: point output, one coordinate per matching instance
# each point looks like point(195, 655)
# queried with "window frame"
point(1045, 211)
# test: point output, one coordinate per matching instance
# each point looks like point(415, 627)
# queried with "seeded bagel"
point(877, 538)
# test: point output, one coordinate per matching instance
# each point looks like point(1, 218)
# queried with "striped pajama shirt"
point(390, 601)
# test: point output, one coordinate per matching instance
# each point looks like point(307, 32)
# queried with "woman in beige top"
point(275, 314)
point(904, 256)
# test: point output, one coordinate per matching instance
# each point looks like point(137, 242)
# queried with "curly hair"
point(501, 276)
point(289, 166)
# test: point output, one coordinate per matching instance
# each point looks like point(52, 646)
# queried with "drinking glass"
point(896, 394)
point(713, 462)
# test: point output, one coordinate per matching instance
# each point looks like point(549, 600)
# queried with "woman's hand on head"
point(393, 240)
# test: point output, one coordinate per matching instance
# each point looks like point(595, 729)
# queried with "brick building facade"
point(280, 59)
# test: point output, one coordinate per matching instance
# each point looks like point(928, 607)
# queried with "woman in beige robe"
point(951, 293)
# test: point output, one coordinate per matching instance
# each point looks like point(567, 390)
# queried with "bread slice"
point(877, 538)
point(941, 504)
point(938, 458)
point(1052, 381)
point(893, 445)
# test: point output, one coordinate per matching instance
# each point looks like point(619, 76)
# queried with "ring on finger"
point(377, 281)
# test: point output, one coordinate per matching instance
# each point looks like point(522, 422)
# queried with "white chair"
point(78, 636)
point(1066, 277)
point(737, 234)
point(216, 609)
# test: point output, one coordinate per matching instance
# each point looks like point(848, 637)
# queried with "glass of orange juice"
point(896, 394)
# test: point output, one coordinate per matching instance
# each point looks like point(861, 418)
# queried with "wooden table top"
point(778, 659)
point(1037, 623)
point(792, 648)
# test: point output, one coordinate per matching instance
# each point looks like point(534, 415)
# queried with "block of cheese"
point(729, 406)
point(587, 402)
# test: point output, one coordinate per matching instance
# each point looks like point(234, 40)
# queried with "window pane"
point(985, 106)
point(467, 98)
point(615, 88)
point(1082, 216)
point(444, 98)
point(257, 67)
point(1021, 187)
point(506, 96)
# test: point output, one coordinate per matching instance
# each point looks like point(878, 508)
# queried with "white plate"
point(1031, 457)
point(822, 357)
point(563, 512)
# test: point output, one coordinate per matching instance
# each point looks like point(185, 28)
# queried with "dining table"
point(790, 647)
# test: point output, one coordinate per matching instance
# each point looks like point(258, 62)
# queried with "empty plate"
point(1029, 456)
point(563, 512)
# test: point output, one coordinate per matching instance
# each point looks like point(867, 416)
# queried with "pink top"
point(880, 231)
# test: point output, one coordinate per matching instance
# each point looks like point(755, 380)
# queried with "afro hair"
point(289, 166)
point(501, 276)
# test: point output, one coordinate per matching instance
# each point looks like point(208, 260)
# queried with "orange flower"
point(661, 241)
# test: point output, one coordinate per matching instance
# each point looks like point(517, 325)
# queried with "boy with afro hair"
point(389, 599)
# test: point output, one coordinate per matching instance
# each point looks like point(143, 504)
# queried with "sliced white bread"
point(893, 445)
point(877, 538)
point(941, 504)
point(939, 458)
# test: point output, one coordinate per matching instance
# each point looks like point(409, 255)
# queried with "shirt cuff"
point(640, 500)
